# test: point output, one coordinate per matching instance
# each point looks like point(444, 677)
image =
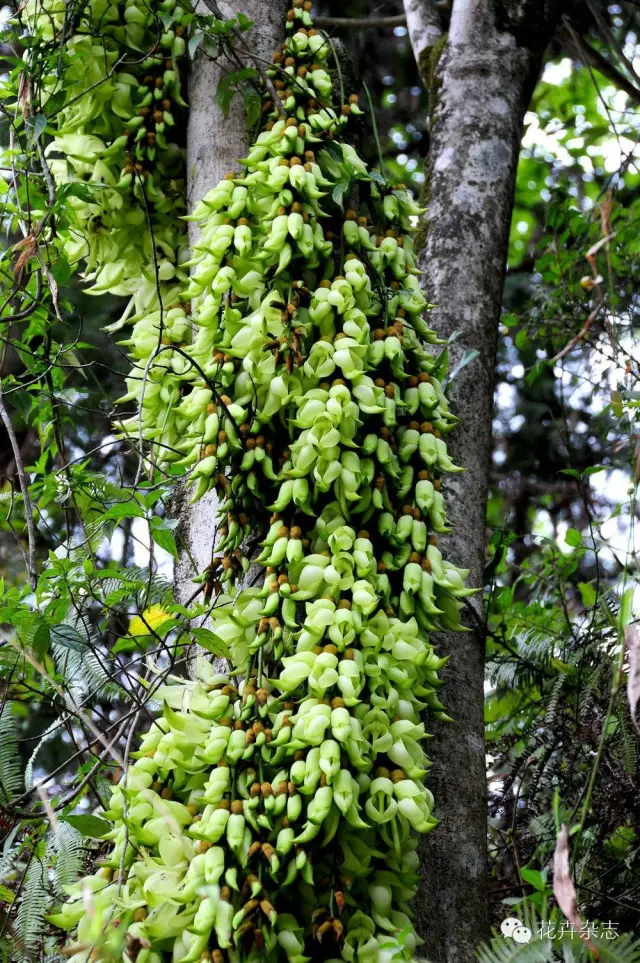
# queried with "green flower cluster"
point(112, 92)
point(271, 812)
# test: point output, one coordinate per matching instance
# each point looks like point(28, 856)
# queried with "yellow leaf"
point(151, 619)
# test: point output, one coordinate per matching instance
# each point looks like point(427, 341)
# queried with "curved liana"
point(270, 812)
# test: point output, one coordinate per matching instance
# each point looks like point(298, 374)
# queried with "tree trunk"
point(479, 86)
point(214, 144)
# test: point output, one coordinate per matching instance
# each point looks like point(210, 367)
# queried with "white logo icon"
point(514, 929)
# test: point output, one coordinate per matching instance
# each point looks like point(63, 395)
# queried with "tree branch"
point(397, 21)
point(609, 38)
point(425, 30)
point(589, 55)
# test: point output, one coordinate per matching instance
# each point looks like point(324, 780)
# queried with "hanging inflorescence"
point(270, 812)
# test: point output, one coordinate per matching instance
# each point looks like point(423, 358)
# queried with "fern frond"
point(625, 948)
point(501, 950)
point(11, 780)
point(628, 740)
point(543, 826)
point(504, 675)
point(10, 852)
point(84, 672)
point(28, 772)
point(553, 705)
point(66, 850)
point(536, 643)
point(33, 904)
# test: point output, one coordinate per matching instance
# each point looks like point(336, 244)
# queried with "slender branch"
point(609, 38)
point(24, 488)
point(580, 335)
point(397, 21)
point(591, 56)
point(46, 173)
point(24, 312)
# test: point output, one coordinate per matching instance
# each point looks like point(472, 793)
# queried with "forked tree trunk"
point(214, 144)
point(480, 81)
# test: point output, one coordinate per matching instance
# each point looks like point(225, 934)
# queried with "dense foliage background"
point(562, 544)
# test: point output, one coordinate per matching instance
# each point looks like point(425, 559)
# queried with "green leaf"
point(229, 85)
point(35, 126)
point(129, 644)
point(68, 637)
point(469, 355)
point(76, 189)
point(616, 404)
point(163, 536)
point(194, 42)
point(123, 510)
point(535, 372)
point(334, 151)
point(252, 106)
point(150, 498)
point(339, 191)
point(61, 271)
point(243, 21)
point(626, 608)
point(587, 593)
point(224, 95)
point(6, 896)
point(210, 642)
point(573, 537)
point(441, 364)
point(41, 640)
point(89, 825)
point(534, 878)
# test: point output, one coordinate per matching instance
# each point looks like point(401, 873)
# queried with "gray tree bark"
point(214, 144)
point(480, 79)
point(424, 26)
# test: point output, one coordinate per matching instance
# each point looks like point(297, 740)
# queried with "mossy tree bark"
point(214, 143)
point(480, 82)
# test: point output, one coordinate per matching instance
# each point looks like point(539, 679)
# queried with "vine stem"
point(375, 128)
point(617, 670)
point(30, 558)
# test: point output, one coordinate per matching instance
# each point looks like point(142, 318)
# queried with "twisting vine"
point(269, 812)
